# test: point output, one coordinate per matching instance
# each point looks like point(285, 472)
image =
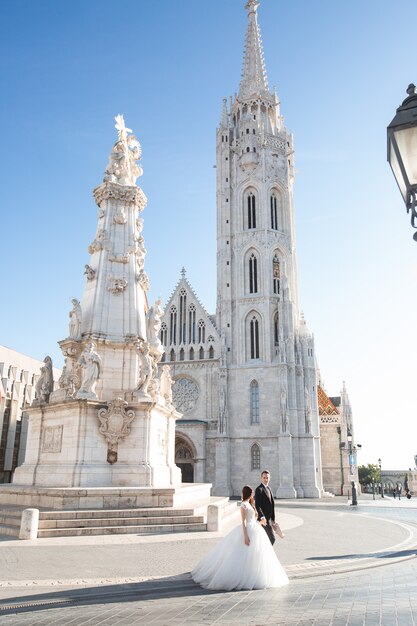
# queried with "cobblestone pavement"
point(386, 596)
point(353, 594)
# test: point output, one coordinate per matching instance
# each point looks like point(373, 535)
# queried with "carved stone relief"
point(52, 439)
point(114, 425)
point(117, 285)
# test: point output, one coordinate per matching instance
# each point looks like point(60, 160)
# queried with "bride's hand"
point(247, 540)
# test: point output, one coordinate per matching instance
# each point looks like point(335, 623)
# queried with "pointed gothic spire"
point(254, 78)
point(224, 118)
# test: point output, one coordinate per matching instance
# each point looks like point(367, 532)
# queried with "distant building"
point(338, 447)
point(18, 377)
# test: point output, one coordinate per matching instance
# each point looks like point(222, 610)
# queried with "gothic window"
point(274, 212)
point(163, 358)
point(275, 274)
point(172, 358)
point(191, 354)
point(255, 457)
point(182, 354)
point(276, 329)
point(201, 331)
point(254, 402)
point(248, 149)
point(254, 337)
point(173, 325)
point(164, 334)
point(191, 323)
point(201, 354)
point(247, 131)
point(253, 274)
point(183, 316)
point(251, 209)
point(211, 352)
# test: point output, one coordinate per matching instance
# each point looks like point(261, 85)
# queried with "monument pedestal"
point(87, 443)
point(73, 499)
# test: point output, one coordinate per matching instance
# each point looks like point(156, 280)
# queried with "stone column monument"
point(111, 423)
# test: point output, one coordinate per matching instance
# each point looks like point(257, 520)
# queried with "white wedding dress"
point(231, 564)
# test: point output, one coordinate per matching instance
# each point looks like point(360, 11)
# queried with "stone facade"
point(252, 366)
point(338, 446)
point(19, 375)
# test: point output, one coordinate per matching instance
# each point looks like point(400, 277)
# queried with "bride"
point(243, 559)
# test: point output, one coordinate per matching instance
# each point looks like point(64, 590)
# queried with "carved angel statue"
point(122, 167)
point(90, 364)
point(166, 385)
point(67, 378)
point(146, 366)
point(89, 272)
point(75, 320)
point(45, 384)
point(155, 315)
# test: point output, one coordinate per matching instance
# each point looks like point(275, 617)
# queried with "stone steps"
point(120, 513)
point(118, 530)
point(10, 521)
point(120, 521)
point(152, 520)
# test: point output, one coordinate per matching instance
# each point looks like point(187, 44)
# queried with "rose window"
point(184, 394)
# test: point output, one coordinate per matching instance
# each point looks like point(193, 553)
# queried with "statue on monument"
point(45, 384)
point(122, 168)
point(75, 320)
point(90, 363)
point(155, 315)
point(146, 366)
point(166, 385)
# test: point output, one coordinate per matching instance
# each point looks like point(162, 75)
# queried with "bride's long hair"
point(247, 494)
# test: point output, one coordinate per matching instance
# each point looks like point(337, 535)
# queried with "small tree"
point(369, 474)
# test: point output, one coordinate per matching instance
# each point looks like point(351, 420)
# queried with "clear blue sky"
point(341, 69)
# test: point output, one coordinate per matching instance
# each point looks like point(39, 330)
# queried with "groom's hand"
point(263, 521)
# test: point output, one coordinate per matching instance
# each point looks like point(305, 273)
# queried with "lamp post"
point(380, 473)
point(402, 152)
point(352, 463)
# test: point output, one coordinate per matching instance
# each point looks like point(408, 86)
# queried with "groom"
point(264, 502)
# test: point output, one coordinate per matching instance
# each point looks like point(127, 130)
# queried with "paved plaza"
point(346, 565)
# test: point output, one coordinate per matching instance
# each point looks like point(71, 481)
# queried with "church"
point(246, 378)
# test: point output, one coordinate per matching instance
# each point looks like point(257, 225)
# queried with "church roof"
point(326, 406)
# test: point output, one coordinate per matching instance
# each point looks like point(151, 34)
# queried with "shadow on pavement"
point(378, 555)
point(104, 594)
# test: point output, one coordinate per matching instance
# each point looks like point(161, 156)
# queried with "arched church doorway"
point(185, 459)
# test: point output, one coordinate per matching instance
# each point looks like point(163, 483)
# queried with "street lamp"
point(380, 473)
point(402, 151)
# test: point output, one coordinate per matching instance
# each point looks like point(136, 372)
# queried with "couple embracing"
point(245, 558)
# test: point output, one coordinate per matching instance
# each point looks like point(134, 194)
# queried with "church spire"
point(224, 117)
point(254, 78)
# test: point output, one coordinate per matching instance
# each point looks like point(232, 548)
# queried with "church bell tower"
point(271, 416)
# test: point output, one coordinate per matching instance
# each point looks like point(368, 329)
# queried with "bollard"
point(214, 519)
point(29, 524)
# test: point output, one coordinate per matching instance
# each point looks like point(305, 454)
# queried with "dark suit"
point(264, 502)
